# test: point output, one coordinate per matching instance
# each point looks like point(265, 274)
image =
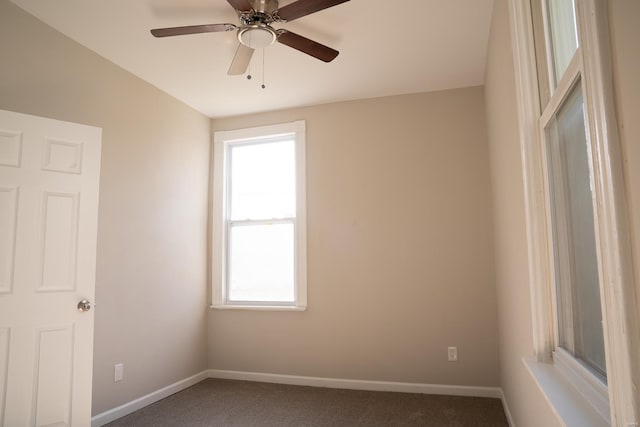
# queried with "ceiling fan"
point(255, 30)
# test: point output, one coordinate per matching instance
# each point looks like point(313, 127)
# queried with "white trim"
point(301, 214)
point(146, 400)
point(259, 307)
point(540, 270)
point(621, 323)
point(349, 384)
point(507, 411)
point(586, 383)
point(566, 402)
point(218, 234)
point(259, 132)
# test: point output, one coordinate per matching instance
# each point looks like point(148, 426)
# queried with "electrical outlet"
point(118, 372)
point(452, 353)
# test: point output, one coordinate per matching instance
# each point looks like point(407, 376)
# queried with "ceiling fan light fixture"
point(257, 37)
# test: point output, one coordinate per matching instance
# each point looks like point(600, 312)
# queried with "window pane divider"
point(569, 79)
point(269, 221)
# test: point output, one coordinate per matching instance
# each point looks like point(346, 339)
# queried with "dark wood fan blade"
point(307, 46)
point(192, 29)
point(241, 60)
point(302, 8)
point(241, 5)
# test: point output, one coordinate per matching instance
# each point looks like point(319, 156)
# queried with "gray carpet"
point(216, 402)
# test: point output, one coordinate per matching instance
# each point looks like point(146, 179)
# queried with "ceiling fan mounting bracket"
point(258, 17)
point(267, 6)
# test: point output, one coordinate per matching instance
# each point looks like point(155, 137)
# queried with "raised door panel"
point(10, 148)
point(53, 377)
point(59, 242)
point(62, 156)
point(8, 222)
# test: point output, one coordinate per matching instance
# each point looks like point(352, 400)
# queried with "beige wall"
point(525, 402)
point(400, 255)
point(400, 236)
point(516, 341)
point(151, 266)
point(625, 34)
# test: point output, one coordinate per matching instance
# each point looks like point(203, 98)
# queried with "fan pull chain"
point(249, 75)
point(263, 86)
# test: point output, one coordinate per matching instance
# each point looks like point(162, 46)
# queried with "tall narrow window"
point(579, 334)
point(584, 313)
point(259, 230)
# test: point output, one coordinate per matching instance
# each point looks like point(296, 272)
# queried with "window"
point(569, 176)
point(259, 230)
point(582, 284)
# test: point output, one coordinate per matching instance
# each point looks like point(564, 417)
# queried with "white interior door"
point(49, 175)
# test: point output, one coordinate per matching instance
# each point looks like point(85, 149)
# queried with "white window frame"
point(222, 141)
point(620, 405)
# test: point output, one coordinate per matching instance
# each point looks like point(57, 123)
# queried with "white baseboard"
point(141, 402)
point(450, 390)
point(507, 412)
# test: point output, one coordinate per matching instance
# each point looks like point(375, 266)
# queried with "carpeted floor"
point(221, 403)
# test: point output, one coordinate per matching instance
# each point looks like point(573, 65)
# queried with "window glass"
point(261, 266)
point(579, 311)
point(263, 180)
point(564, 34)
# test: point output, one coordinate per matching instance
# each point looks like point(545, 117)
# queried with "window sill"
point(566, 401)
point(259, 307)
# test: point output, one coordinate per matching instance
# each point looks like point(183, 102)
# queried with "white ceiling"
point(386, 48)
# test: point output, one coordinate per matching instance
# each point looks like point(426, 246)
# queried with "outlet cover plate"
point(452, 353)
point(118, 372)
